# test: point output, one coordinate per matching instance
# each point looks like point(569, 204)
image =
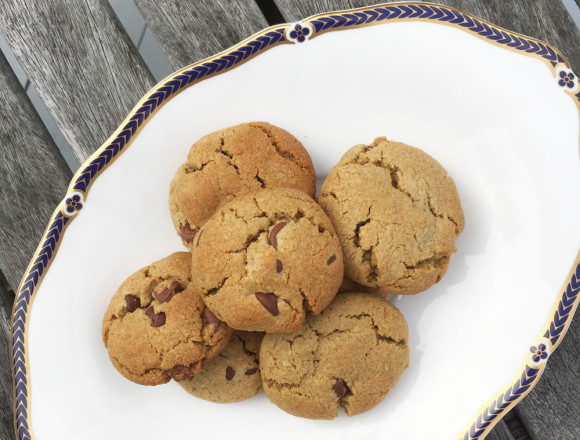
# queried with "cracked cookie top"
point(157, 327)
point(231, 376)
point(266, 257)
point(397, 214)
point(350, 355)
point(235, 161)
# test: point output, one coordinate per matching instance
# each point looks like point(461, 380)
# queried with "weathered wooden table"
point(89, 75)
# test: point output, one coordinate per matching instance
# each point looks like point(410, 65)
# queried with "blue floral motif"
point(73, 204)
point(566, 79)
point(299, 33)
point(538, 352)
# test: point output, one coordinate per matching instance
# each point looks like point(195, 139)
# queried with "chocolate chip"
point(269, 301)
point(167, 294)
point(331, 260)
point(251, 371)
point(188, 234)
point(273, 233)
point(339, 388)
point(208, 317)
point(198, 238)
point(230, 373)
point(181, 372)
point(132, 303)
point(157, 319)
point(279, 266)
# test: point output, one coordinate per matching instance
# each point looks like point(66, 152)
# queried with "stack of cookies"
point(254, 303)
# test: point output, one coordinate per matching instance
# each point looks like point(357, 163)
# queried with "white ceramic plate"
point(497, 110)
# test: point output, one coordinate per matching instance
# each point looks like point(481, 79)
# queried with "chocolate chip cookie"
point(350, 355)
point(157, 327)
point(231, 162)
point(397, 214)
point(231, 376)
point(266, 257)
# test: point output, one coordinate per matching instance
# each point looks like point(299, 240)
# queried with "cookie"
point(349, 285)
point(231, 376)
point(350, 355)
point(397, 214)
point(265, 258)
point(235, 161)
point(157, 327)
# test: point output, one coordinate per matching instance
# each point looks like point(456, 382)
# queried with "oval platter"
point(500, 111)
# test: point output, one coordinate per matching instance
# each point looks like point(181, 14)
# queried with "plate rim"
point(299, 32)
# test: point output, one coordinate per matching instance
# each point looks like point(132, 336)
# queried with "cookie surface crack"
point(285, 154)
point(216, 289)
point(436, 214)
point(367, 259)
point(435, 261)
point(359, 225)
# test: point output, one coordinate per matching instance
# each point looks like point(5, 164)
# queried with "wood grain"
point(33, 177)
point(6, 301)
point(189, 30)
point(6, 423)
point(78, 56)
point(500, 432)
point(546, 20)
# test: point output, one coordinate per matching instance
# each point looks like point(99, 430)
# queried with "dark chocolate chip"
point(339, 388)
point(273, 233)
point(209, 318)
point(251, 371)
point(188, 234)
point(198, 238)
point(167, 294)
point(279, 266)
point(331, 260)
point(132, 303)
point(230, 373)
point(269, 301)
point(181, 372)
point(157, 319)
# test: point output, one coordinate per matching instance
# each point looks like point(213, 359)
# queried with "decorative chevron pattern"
point(486, 419)
point(20, 315)
point(440, 14)
point(563, 315)
point(228, 60)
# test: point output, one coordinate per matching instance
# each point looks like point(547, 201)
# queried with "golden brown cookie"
point(265, 258)
point(231, 162)
point(350, 355)
point(157, 327)
point(231, 376)
point(397, 214)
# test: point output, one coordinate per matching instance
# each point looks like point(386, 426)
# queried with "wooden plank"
point(33, 173)
point(34, 178)
point(6, 423)
point(547, 20)
point(83, 64)
point(553, 406)
point(515, 426)
point(189, 31)
point(501, 432)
